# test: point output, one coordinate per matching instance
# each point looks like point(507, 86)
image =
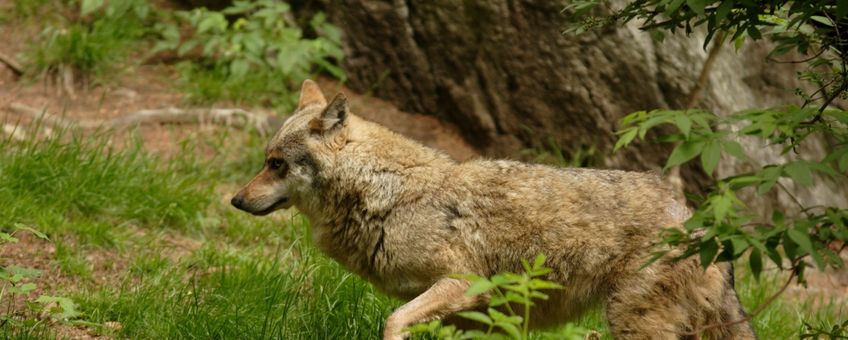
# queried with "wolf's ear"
point(332, 117)
point(310, 94)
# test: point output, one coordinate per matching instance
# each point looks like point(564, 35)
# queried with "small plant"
point(16, 281)
point(90, 45)
point(510, 301)
point(837, 331)
point(255, 59)
point(13, 279)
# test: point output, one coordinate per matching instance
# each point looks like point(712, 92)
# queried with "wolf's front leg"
point(443, 298)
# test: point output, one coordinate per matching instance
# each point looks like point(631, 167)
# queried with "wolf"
point(406, 217)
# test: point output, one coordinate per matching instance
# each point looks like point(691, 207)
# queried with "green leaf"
point(723, 10)
point(239, 68)
point(24, 272)
point(834, 217)
point(822, 20)
point(627, 136)
point(721, 204)
point(823, 168)
point(539, 261)
point(734, 149)
point(673, 6)
point(510, 329)
point(710, 157)
point(774, 255)
point(33, 231)
point(497, 300)
point(22, 289)
point(477, 316)
point(526, 266)
point(770, 176)
point(8, 238)
point(744, 181)
point(214, 22)
point(684, 124)
point(684, 152)
point(708, 253)
point(479, 287)
point(89, 6)
point(539, 295)
point(803, 241)
point(754, 32)
point(697, 6)
point(66, 307)
point(739, 243)
point(738, 42)
point(657, 117)
point(799, 172)
point(755, 260)
point(542, 284)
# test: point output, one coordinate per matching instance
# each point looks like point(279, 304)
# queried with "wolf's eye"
point(275, 163)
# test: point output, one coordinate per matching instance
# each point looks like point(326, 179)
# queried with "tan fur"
point(405, 217)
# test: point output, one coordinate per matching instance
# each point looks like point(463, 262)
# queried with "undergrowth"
point(70, 180)
point(252, 52)
point(91, 42)
point(283, 292)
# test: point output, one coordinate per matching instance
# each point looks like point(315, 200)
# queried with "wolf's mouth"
point(277, 205)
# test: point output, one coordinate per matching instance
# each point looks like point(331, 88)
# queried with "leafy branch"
point(722, 226)
point(503, 319)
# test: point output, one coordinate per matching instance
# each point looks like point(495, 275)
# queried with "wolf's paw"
point(394, 333)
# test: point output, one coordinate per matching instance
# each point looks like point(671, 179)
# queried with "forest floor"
point(143, 241)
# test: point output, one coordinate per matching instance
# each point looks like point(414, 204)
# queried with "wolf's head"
point(294, 154)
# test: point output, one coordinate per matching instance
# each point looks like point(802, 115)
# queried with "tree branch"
point(697, 90)
point(237, 118)
point(12, 64)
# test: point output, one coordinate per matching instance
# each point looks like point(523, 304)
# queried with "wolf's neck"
point(375, 174)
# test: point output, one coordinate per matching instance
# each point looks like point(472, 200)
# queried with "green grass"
point(246, 277)
point(73, 182)
point(784, 318)
point(207, 84)
point(289, 293)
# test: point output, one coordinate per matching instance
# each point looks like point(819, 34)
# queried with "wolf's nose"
point(237, 202)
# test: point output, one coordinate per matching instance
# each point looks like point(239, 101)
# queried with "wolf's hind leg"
point(644, 319)
point(667, 300)
point(443, 298)
point(729, 315)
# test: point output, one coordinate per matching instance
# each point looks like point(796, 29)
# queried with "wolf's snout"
point(237, 202)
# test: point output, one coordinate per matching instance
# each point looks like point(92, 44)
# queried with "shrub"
point(501, 321)
point(255, 59)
